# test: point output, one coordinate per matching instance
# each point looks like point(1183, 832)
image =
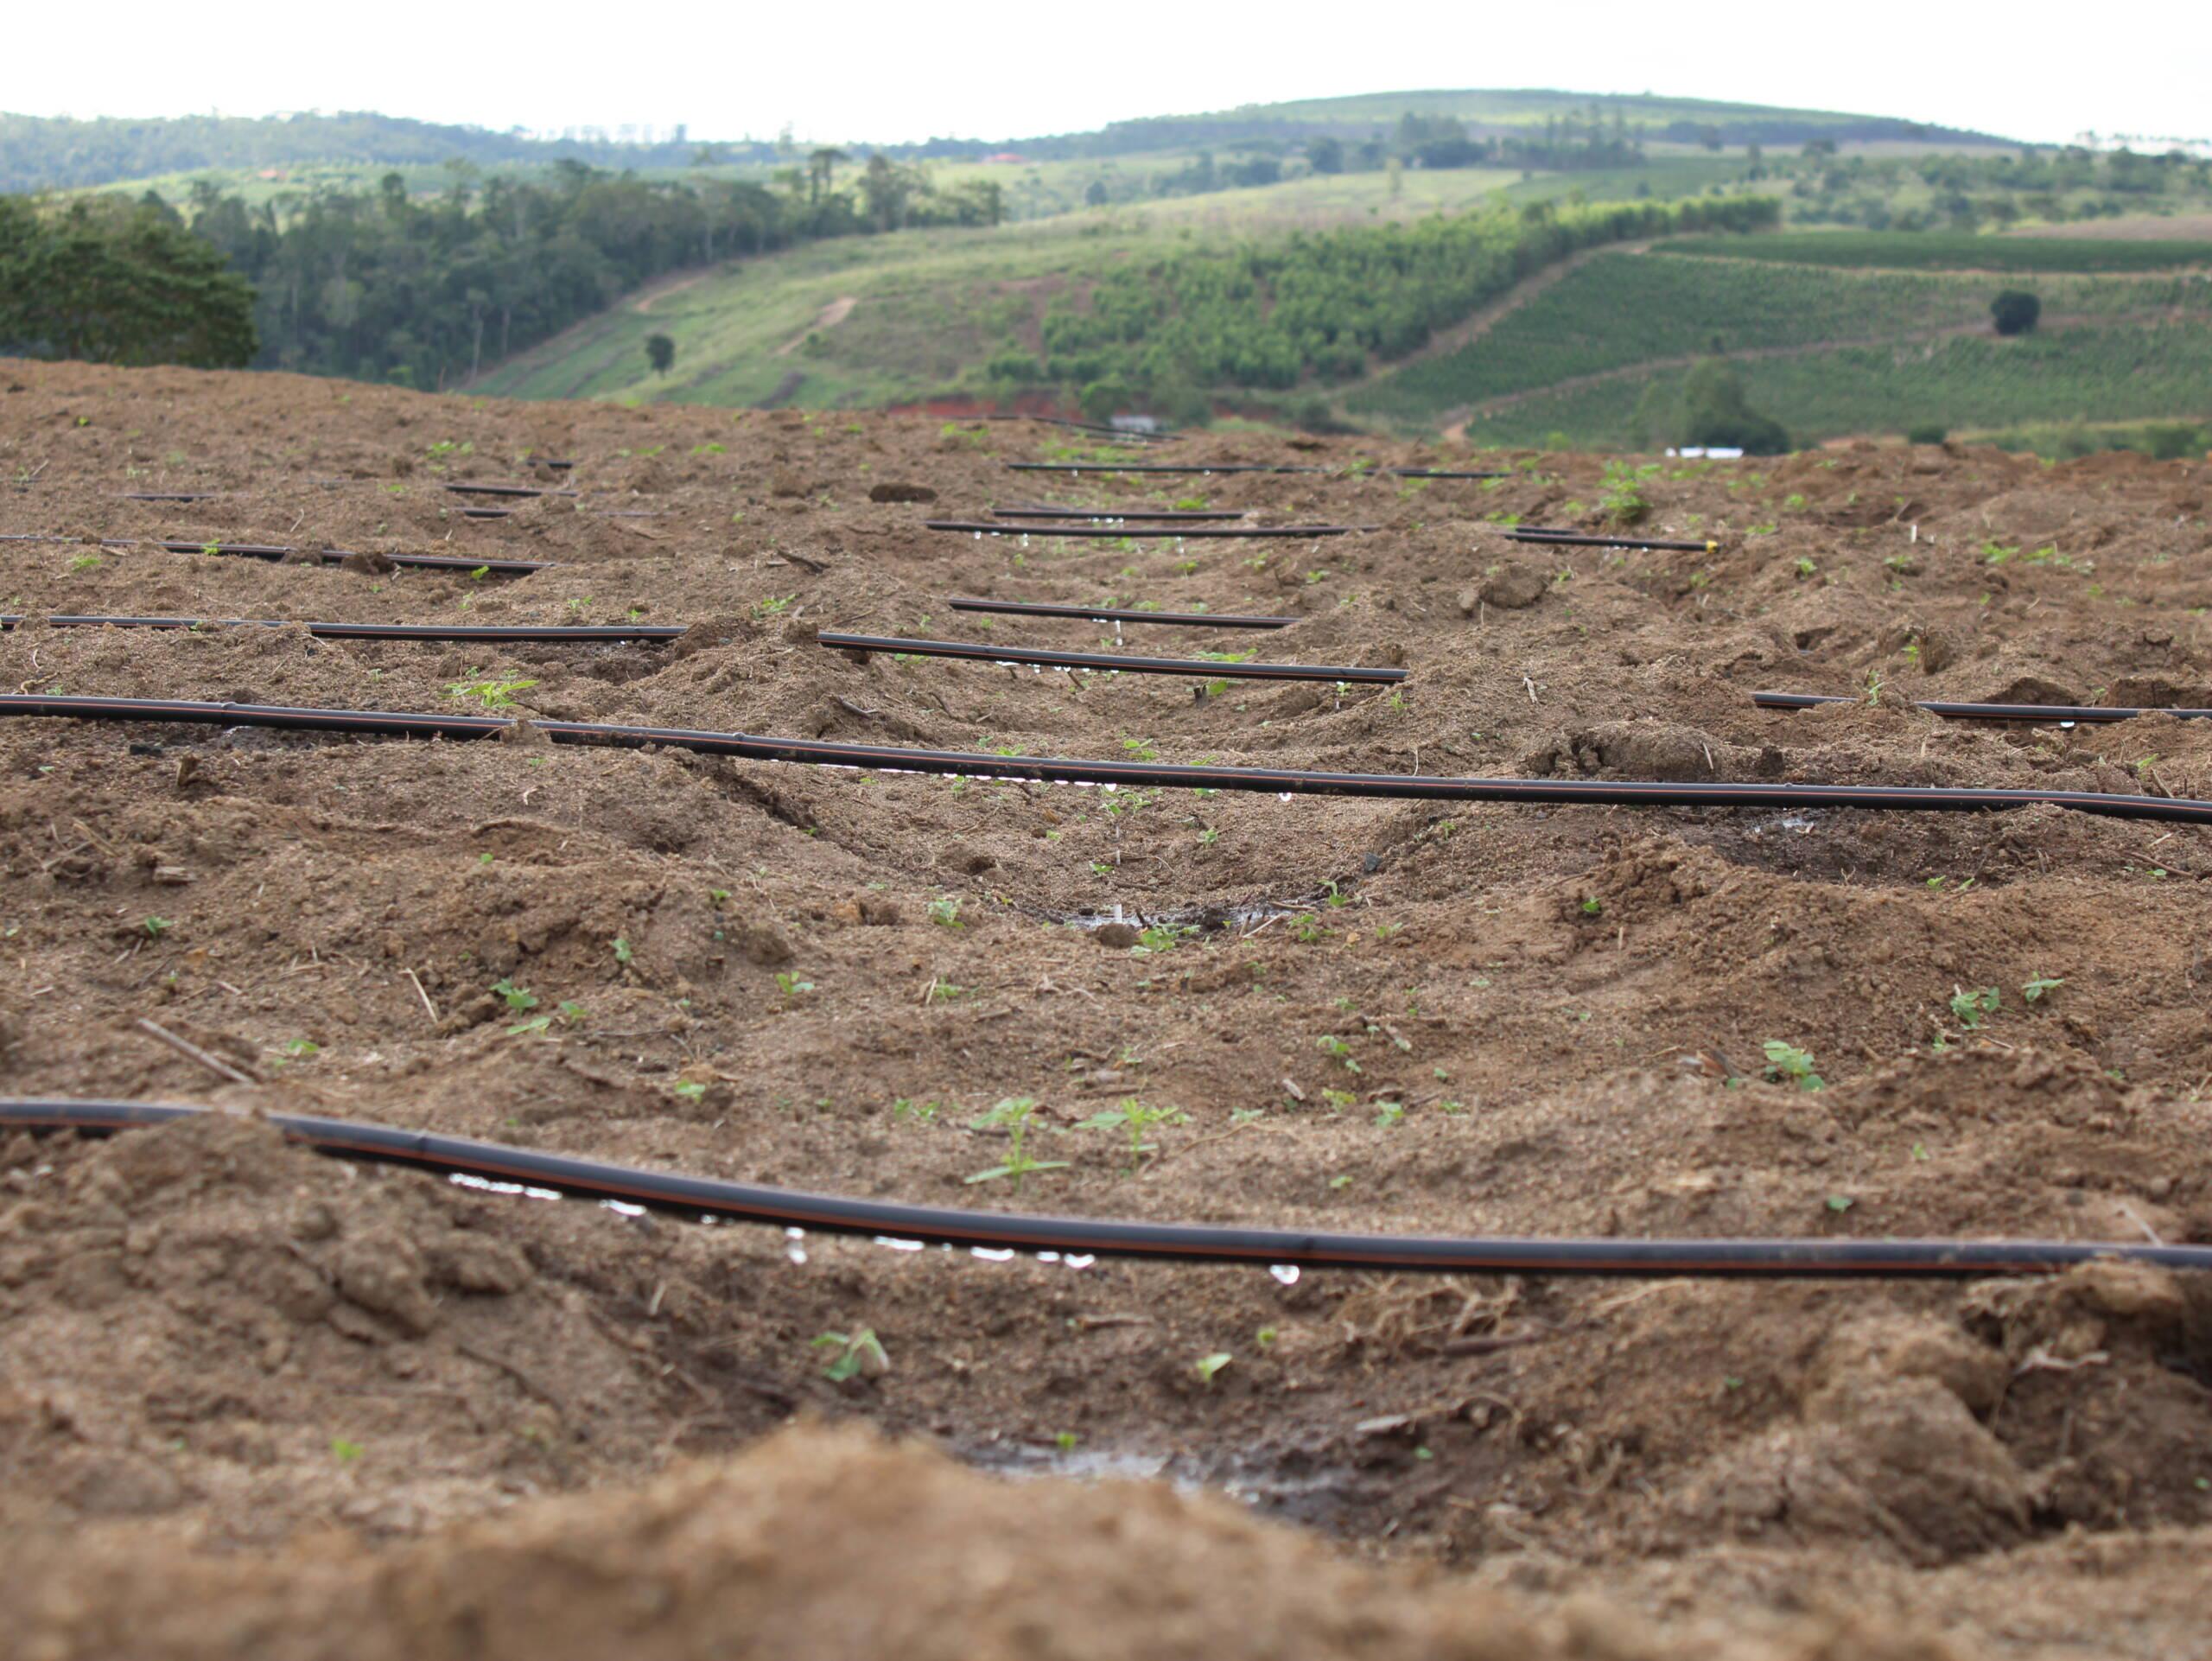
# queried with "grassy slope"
point(2069, 375)
point(931, 302)
point(1620, 310)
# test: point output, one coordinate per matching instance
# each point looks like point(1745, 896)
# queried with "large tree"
point(118, 282)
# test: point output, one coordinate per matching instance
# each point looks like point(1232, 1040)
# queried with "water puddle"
point(1241, 917)
point(1294, 1485)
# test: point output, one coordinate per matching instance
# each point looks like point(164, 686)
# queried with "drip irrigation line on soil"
point(2067, 713)
point(1124, 515)
point(986, 652)
point(327, 555)
point(695, 1198)
point(487, 513)
point(505, 490)
point(1577, 539)
point(992, 528)
point(1396, 786)
point(1118, 613)
point(1441, 473)
point(487, 631)
point(165, 496)
point(1157, 467)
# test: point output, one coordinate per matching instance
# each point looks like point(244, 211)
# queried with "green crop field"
point(1623, 309)
point(1926, 250)
point(877, 318)
point(2080, 375)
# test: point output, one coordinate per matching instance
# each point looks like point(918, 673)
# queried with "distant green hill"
point(43, 152)
point(1667, 120)
point(39, 152)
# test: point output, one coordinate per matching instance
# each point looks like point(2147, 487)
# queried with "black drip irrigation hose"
point(1155, 467)
point(487, 631)
point(2065, 714)
point(487, 513)
point(985, 652)
point(1117, 614)
point(699, 1198)
point(1177, 515)
point(167, 496)
point(1440, 472)
point(1576, 539)
point(1395, 786)
point(327, 555)
point(992, 528)
point(505, 490)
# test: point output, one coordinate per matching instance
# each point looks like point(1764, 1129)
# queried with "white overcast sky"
point(986, 68)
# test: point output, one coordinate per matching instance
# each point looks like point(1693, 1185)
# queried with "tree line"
point(419, 291)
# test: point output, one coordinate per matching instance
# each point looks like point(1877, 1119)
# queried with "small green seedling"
point(1013, 1114)
point(1134, 1116)
point(491, 694)
point(945, 914)
point(791, 985)
point(157, 926)
point(2035, 989)
point(858, 1352)
point(622, 953)
point(517, 997)
point(1786, 1063)
point(568, 1014)
point(1207, 1365)
point(1975, 1007)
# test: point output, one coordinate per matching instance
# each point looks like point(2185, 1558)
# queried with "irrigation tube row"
point(327, 555)
point(1248, 466)
point(988, 651)
point(1117, 613)
point(1536, 535)
point(577, 633)
point(1121, 515)
point(2087, 713)
point(976, 650)
point(996, 528)
point(700, 1198)
point(985, 652)
point(1057, 770)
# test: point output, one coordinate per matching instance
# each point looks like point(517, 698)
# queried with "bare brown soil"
point(253, 1400)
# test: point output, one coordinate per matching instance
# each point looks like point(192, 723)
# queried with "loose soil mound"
point(1362, 1015)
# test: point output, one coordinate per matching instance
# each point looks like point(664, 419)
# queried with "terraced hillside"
point(1827, 340)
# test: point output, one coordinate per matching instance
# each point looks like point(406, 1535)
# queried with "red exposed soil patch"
point(238, 1385)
